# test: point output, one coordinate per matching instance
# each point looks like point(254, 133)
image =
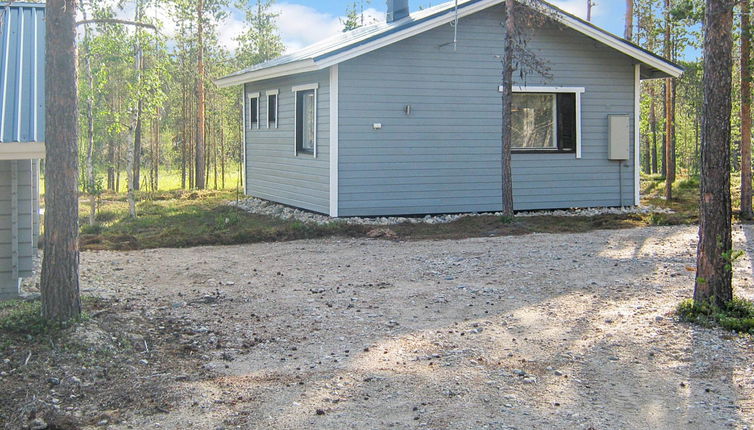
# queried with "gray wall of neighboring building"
point(19, 223)
point(445, 155)
point(274, 171)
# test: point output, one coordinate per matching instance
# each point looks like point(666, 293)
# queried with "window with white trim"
point(253, 110)
point(544, 122)
point(272, 109)
point(306, 119)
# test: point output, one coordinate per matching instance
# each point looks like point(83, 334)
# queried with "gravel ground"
point(266, 207)
point(539, 331)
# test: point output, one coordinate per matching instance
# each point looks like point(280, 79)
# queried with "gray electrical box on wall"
point(618, 132)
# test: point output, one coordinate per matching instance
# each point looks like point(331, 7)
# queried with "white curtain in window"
point(309, 118)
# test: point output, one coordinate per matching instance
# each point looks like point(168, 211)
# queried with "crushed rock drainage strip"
point(264, 207)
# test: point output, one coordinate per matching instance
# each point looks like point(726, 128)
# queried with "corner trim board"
point(637, 133)
point(334, 141)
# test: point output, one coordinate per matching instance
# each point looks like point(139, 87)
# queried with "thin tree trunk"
point(137, 133)
point(200, 154)
point(669, 116)
point(89, 127)
point(59, 284)
point(110, 165)
point(222, 157)
point(713, 271)
point(746, 209)
point(653, 126)
point(507, 188)
point(628, 33)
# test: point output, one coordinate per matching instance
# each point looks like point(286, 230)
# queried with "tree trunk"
point(137, 145)
point(669, 116)
point(59, 284)
point(510, 29)
point(653, 126)
point(746, 209)
point(628, 33)
point(713, 271)
point(90, 127)
point(200, 159)
point(222, 157)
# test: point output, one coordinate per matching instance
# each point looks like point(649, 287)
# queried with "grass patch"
point(737, 315)
point(25, 318)
point(176, 219)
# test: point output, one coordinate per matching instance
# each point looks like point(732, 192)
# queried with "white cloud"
point(578, 7)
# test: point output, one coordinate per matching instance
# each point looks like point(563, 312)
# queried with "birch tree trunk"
point(59, 284)
point(713, 273)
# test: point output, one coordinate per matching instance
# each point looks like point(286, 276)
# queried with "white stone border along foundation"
point(264, 207)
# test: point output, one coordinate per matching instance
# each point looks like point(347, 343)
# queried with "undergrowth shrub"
point(737, 315)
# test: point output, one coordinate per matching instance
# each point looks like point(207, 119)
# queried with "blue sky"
point(302, 22)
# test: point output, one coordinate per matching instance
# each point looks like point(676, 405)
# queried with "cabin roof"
point(365, 39)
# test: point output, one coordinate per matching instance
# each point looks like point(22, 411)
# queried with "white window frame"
point(275, 93)
point(295, 90)
point(578, 91)
point(249, 97)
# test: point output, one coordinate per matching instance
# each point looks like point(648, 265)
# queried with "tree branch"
point(116, 21)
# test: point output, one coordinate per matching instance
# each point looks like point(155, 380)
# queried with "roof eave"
point(296, 67)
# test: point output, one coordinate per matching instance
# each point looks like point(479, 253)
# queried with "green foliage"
point(737, 315)
point(506, 219)
point(261, 41)
point(24, 317)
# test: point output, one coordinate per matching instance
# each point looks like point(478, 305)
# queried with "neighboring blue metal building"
point(404, 116)
point(22, 136)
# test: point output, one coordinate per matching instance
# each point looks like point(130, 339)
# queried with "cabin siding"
point(445, 156)
point(274, 171)
point(21, 237)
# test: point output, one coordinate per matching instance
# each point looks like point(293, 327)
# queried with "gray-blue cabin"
point(404, 117)
point(22, 131)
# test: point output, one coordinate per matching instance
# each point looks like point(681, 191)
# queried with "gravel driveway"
point(539, 331)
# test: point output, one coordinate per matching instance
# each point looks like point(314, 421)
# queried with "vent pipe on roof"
point(396, 9)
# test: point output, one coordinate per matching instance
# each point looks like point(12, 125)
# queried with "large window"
point(544, 122)
point(306, 119)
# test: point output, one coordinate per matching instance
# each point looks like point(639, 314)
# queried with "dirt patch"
point(535, 331)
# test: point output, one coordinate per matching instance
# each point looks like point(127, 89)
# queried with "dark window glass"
point(567, 122)
point(254, 112)
point(272, 109)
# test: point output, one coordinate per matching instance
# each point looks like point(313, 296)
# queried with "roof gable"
point(360, 41)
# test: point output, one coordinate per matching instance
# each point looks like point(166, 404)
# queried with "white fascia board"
point(273, 72)
point(624, 47)
point(22, 151)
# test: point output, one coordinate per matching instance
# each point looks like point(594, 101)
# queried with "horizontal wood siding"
point(26, 227)
point(445, 155)
point(274, 172)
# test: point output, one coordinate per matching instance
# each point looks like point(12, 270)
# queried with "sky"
point(303, 22)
